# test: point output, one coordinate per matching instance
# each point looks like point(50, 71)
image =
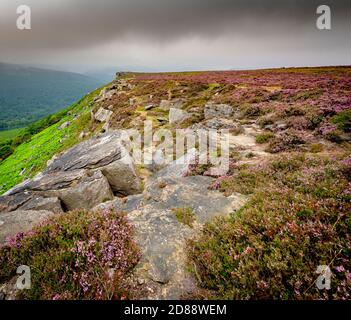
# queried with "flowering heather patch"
point(299, 217)
point(288, 140)
point(78, 255)
point(305, 99)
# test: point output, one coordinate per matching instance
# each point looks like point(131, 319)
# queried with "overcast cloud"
point(175, 34)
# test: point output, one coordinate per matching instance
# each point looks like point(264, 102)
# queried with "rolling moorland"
point(92, 227)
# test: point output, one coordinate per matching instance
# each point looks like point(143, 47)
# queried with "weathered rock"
point(107, 93)
point(177, 168)
point(165, 105)
point(9, 290)
point(103, 115)
point(162, 237)
point(149, 107)
point(104, 153)
point(177, 115)
point(52, 204)
point(127, 204)
point(94, 153)
point(12, 203)
point(82, 135)
point(28, 201)
point(64, 125)
point(122, 177)
point(218, 110)
point(85, 193)
point(217, 124)
point(76, 189)
point(281, 125)
point(20, 221)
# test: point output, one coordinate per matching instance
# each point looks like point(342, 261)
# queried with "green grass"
point(185, 216)
point(264, 137)
point(31, 157)
point(9, 134)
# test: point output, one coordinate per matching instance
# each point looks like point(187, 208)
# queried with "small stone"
point(149, 107)
point(103, 115)
point(177, 115)
point(64, 125)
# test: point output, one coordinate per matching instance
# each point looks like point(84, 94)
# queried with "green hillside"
point(42, 141)
point(28, 94)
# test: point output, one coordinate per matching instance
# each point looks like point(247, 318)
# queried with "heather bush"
point(330, 132)
point(316, 147)
point(343, 120)
point(78, 255)
point(299, 217)
point(266, 120)
point(298, 123)
point(288, 140)
point(264, 137)
point(251, 111)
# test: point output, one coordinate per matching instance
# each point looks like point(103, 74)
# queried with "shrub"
point(343, 120)
point(264, 137)
point(298, 218)
point(251, 111)
point(298, 123)
point(266, 120)
point(78, 255)
point(287, 140)
point(331, 132)
point(316, 147)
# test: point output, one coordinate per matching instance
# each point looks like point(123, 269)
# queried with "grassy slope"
point(31, 157)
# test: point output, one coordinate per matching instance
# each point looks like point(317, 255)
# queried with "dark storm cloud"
point(176, 33)
point(84, 23)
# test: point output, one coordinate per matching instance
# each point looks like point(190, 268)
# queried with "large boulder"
point(20, 221)
point(77, 189)
point(103, 115)
point(106, 154)
point(81, 178)
point(91, 189)
point(218, 110)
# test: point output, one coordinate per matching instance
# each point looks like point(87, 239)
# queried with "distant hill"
point(28, 94)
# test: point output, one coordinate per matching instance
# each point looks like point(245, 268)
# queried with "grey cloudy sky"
point(175, 34)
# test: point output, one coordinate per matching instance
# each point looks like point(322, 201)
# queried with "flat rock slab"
point(94, 153)
point(20, 221)
point(163, 238)
point(105, 153)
